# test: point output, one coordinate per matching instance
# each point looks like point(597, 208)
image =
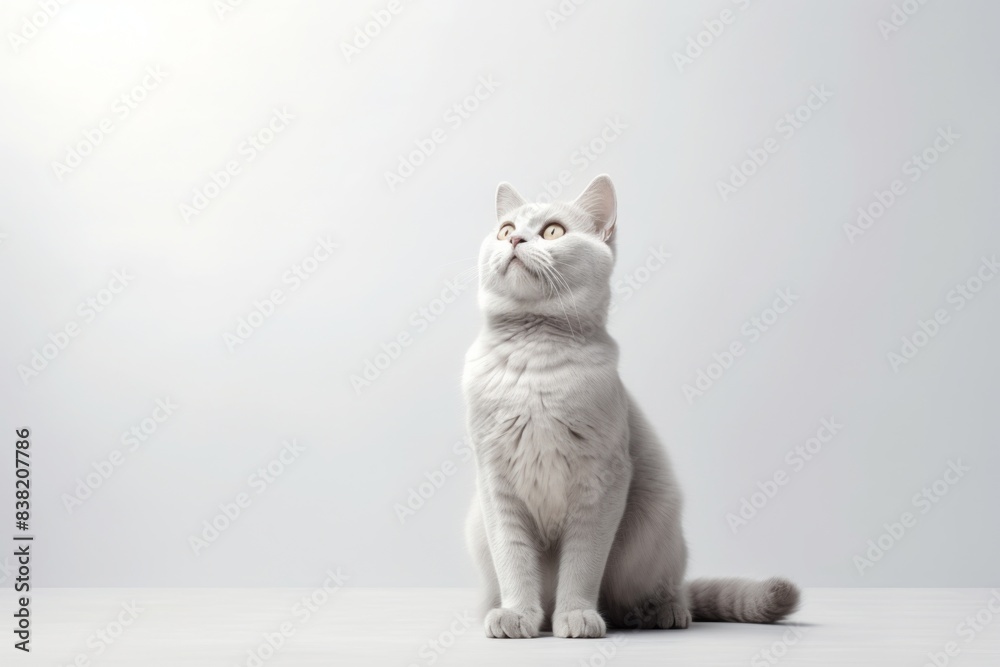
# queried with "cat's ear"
point(507, 199)
point(599, 201)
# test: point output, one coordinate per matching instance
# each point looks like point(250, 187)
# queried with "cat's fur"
point(577, 517)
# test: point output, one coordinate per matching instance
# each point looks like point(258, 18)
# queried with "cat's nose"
point(514, 240)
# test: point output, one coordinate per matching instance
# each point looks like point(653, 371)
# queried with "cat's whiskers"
point(467, 274)
point(461, 259)
point(552, 285)
point(557, 282)
point(541, 267)
point(565, 285)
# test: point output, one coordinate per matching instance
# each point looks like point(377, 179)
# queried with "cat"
point(576, 519)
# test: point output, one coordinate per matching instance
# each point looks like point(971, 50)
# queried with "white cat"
point(577, 515)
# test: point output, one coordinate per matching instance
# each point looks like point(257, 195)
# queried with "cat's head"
point(546, 258)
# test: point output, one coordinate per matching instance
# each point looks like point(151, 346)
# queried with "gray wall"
point(671, 134)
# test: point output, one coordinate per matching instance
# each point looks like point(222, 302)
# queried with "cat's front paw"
point(513, 624)
point(578, 623)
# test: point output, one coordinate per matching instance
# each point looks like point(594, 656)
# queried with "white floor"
point(403, 627)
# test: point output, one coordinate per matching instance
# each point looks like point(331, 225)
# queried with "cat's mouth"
point(520, 264)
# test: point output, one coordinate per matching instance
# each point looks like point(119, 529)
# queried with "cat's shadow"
point(780, 627)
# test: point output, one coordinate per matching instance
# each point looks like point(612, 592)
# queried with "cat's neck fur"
point(571, 323)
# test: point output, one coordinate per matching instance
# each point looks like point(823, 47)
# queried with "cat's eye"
point(505, 230)
point(553, 230)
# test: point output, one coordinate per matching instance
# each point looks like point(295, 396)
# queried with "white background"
point(162, 336)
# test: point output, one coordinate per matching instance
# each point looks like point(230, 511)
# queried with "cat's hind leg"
point(663, 607)
point(672, 608)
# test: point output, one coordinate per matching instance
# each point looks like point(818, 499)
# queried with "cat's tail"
point(742, 600)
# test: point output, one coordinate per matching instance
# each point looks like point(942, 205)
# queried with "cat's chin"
point(523, 277)
point(516, 262)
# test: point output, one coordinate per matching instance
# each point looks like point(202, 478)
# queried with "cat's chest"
point(521, 394)
point(529, 423)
